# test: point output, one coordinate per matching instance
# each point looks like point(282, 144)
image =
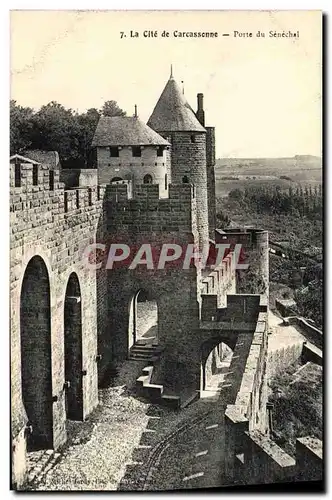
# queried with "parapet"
point(28, 177)
point(121, 191)
point(36, 185)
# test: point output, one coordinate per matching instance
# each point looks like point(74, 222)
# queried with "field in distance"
point(232, 173)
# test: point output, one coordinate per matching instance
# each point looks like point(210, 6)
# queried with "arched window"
point(185, 179)
point(147, 179)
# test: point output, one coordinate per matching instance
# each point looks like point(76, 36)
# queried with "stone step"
point(143, 349)
point(143, 357)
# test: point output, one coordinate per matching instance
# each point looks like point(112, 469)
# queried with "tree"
point(111, 108)
point(87, 123)
point(236, 194)
point(55, 128)
point(309, 301)
point(20, 127)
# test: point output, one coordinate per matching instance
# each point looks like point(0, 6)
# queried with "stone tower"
point(131, 152)
point(210, 164)
point(174, 119)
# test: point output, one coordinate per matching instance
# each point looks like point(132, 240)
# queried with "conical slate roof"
point(173, 113)
point(125, 131)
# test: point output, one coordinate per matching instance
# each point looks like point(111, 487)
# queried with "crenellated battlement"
point(33, 177)
point(146, 211)
point(34, 185)
point(121, 191)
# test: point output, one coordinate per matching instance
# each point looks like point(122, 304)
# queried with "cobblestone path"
point(107, 450)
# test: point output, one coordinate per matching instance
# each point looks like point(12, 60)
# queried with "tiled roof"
point(125, 131)
point(22, 159)
point(173, 113)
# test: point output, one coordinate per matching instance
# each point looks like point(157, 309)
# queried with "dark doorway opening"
point(36, 368)
point(73, 349)
point(214, 368)
point(143, 319)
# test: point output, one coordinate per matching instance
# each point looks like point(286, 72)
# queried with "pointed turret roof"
point(172, 112)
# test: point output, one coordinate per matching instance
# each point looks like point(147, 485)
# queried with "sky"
point(263, 95)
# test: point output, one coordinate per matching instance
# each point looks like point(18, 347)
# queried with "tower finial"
point(171, 71)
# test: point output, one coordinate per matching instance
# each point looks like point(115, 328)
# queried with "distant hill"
point(238, 172)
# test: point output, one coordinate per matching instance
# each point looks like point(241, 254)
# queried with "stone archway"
point(36, 365)
point(143, 319)
point(216, 357)
point(73, 349)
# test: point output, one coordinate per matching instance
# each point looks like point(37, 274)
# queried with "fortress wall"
point(254, 242)
point(264, 462)
point(57, 225)
point(146, 219)
point(283, 356)
point(309, 459)
point(248, 412)
point(147, 212)
point(221, 281)
point(78, 177)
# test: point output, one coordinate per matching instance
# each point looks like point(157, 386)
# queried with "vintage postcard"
point(166, 284)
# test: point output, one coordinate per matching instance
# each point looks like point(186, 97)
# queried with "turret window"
point(114, 152)
point(166, 182)
point(160, 151)
point(147, 179)
point(136, 151)
point(185, 179)
point(193, 138)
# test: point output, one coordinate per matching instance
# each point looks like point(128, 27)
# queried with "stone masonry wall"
point(188, 158)
point(56, 225)
point(133, 168)
point(78, 177)
point(146, 219)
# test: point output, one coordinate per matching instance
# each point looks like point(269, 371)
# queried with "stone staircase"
point(141, 351)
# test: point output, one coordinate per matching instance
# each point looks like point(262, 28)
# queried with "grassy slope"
point(298, 406)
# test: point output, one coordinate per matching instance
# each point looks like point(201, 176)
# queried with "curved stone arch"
point(74, 269)
point(16, 292)
point(27, 256)
point(207, 348)
point(208, 345)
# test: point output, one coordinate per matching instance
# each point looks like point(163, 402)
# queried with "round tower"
point(260, 244)
point(174, 119)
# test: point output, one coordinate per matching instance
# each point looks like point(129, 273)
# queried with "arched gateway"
point(36, 370)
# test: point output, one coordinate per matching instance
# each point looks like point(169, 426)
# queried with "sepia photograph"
point(166, 250)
